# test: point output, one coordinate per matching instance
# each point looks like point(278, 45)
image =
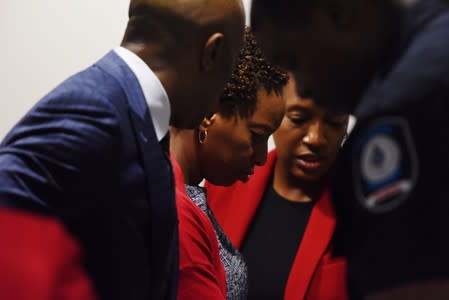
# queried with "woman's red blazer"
point(201, 272)
point(315, 273)
point(39, 260)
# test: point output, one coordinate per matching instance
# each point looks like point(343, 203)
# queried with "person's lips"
point(310, 162)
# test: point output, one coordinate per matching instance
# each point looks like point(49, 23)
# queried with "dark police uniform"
point(390, 192)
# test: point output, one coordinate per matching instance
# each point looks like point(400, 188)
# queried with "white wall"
point(247, 4)
point(44, 42)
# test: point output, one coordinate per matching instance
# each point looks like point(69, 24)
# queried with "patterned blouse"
point(234, 265)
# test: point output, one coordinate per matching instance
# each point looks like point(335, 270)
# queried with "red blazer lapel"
point(315, 243)
point(235, 206)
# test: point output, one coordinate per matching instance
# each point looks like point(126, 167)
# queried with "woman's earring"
point(202, 136)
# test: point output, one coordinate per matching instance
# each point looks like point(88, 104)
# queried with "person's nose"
point(315, 137)
point(260, 154)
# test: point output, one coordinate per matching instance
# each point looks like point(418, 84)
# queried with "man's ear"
point(208, 121)
point(212, 51)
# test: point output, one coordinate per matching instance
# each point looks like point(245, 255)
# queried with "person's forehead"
point(267, 101)
point(295, 102)
point(299, 104)
point(281, 47)
point(269, 110)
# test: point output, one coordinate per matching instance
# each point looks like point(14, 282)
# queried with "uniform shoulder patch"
point(385, 164)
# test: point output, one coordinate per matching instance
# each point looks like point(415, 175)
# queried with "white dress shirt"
point(153, 90)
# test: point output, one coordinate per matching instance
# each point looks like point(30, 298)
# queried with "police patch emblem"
point(385, 165)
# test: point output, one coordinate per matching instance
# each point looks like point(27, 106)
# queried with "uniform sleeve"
point(201, 274)
point(40, 260)
point(67, 140)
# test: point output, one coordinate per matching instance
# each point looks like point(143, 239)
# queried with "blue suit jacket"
point(88, 153)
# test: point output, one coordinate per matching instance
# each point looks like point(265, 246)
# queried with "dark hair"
point(280, 12)
point(251, 73)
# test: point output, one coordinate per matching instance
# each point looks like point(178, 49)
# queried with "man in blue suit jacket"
point(89, 152)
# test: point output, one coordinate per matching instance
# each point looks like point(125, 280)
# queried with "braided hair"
point(252, 72)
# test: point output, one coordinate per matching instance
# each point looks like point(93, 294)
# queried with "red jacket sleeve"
point(39, 260)
point(201, 272)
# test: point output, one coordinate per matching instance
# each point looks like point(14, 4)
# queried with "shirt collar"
point(153, 90)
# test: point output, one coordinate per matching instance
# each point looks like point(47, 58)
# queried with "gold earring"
point(202, 136)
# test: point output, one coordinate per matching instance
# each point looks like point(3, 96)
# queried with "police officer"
point(387, 62)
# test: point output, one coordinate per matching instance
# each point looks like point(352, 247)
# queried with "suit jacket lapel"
point(152, 155)
point(160, 181)
point(314, 244)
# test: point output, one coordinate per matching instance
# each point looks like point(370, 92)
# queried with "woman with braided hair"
point(224, 149)
point(282, 218)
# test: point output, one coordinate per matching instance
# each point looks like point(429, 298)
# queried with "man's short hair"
point(280, 11)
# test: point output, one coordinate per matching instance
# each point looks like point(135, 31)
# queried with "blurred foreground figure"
point(387, 62)
point(39, 260)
